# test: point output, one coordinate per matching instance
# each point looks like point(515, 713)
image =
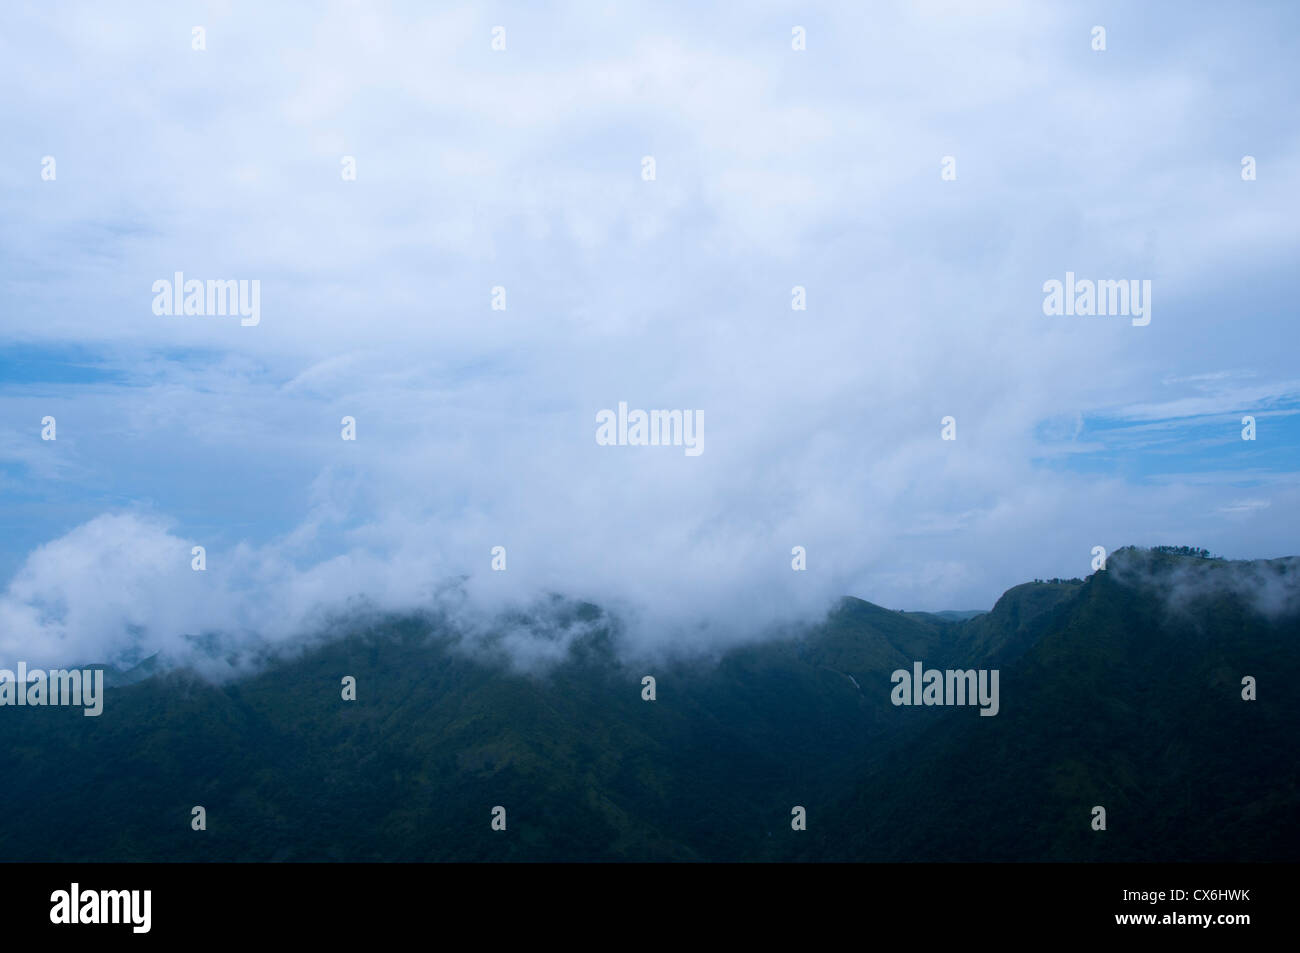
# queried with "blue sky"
point(522, 168)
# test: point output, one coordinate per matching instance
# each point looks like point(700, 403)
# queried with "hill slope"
point(1122, 691)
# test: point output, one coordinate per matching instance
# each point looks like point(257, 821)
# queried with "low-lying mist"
point(123, 588)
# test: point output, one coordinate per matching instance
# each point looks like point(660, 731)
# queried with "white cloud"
point(523, 169)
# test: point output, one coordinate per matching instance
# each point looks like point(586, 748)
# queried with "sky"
point(523, 168)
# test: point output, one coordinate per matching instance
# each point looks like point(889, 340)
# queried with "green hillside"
point(1111, 694)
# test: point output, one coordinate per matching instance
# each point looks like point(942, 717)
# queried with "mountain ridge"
point(712, 768)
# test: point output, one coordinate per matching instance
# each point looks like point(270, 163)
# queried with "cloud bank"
point(521, 169)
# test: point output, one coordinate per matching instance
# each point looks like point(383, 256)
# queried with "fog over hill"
point(1108, 695)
